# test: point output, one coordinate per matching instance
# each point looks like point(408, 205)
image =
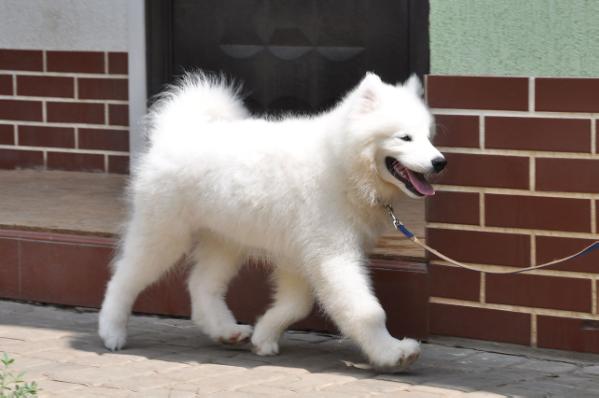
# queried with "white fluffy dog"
point(307, 192)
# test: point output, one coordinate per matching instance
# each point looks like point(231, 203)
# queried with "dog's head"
point(399, 127)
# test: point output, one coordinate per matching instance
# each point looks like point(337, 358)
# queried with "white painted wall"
point(86, 25)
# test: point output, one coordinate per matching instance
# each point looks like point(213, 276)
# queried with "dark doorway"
point(291, 55)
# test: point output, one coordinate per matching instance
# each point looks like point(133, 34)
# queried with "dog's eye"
point(406, 138)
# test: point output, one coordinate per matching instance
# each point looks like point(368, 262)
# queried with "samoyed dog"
point(218, 185)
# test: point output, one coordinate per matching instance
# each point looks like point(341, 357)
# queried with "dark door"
point(291, 55)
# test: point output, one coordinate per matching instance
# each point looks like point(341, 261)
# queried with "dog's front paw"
point(236, 334)
point(114, 337)
point(397, 358)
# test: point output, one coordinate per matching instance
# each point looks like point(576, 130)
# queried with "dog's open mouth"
point(414, 182)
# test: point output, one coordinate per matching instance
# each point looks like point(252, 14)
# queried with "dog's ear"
point(368, 92)
point(414, 85)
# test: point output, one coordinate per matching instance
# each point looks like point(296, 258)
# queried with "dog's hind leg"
point(293, 301)
point(147, 253)
point(216, 263)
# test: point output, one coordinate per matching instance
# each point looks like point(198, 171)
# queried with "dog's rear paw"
point(267, 348)
point(113, 332)
point(237, 334)
point(114, 339)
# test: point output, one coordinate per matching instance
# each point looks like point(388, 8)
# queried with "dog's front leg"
point(343, 288)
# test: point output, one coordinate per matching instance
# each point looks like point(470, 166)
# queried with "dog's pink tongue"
point(420, 183)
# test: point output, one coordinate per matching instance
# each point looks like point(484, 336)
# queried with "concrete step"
point(58, 233)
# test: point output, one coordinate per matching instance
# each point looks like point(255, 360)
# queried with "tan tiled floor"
point(167, 357)
point(93, 203)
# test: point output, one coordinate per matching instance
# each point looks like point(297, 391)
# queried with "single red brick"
point(538, 134)
point(9, 271)
point(567, 94)
point(7, 134)
point(31, 60)
point(551, 248)
point(567, 175)
point(75, 112)
point(539, 291)
point(110, 140)
point(492, 171)
point(20, 110)
point(74, 274)
point(568, 334)
point(481, 247)
point(17, 159)
point(480, 323)
point(457, 131)
point(118, 115)
point(117, 63)
point(476, 92)
point(46, 86)
point(453, 207)
point(75, 61)
point(92, 88)
point(453, 282)
point(558, 214)
point(118, 164)
point(47, 136)
point(75, 161)
point(5, 84)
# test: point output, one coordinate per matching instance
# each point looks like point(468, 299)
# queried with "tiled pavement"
point(59, 349)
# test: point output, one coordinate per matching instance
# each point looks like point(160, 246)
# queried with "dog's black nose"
point(439, 164)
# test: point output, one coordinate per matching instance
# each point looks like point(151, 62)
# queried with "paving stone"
point(442, 391)
point(190, 373)
point(485, 360)
point(308, 337)
point(261, 390)
point(546, 389)
point(552, 367)
point(486, 381)
point(411, 394)
point(368, 386)
point(239, 380)
point(141, 382)
point(24, 363)
point(329, 394)
point(93, 392)
point(312, 381)
point(91, 376)
point(168, 393)
point(592, 370)
point(55, 387)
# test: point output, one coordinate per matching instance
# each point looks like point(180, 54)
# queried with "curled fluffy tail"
point(194, 99)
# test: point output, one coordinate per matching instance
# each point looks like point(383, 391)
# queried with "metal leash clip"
point(398, 224)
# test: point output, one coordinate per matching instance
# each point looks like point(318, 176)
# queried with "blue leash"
point(410, 235)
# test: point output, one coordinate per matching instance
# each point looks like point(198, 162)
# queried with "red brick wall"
point(521, 187)
point(64, 110)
